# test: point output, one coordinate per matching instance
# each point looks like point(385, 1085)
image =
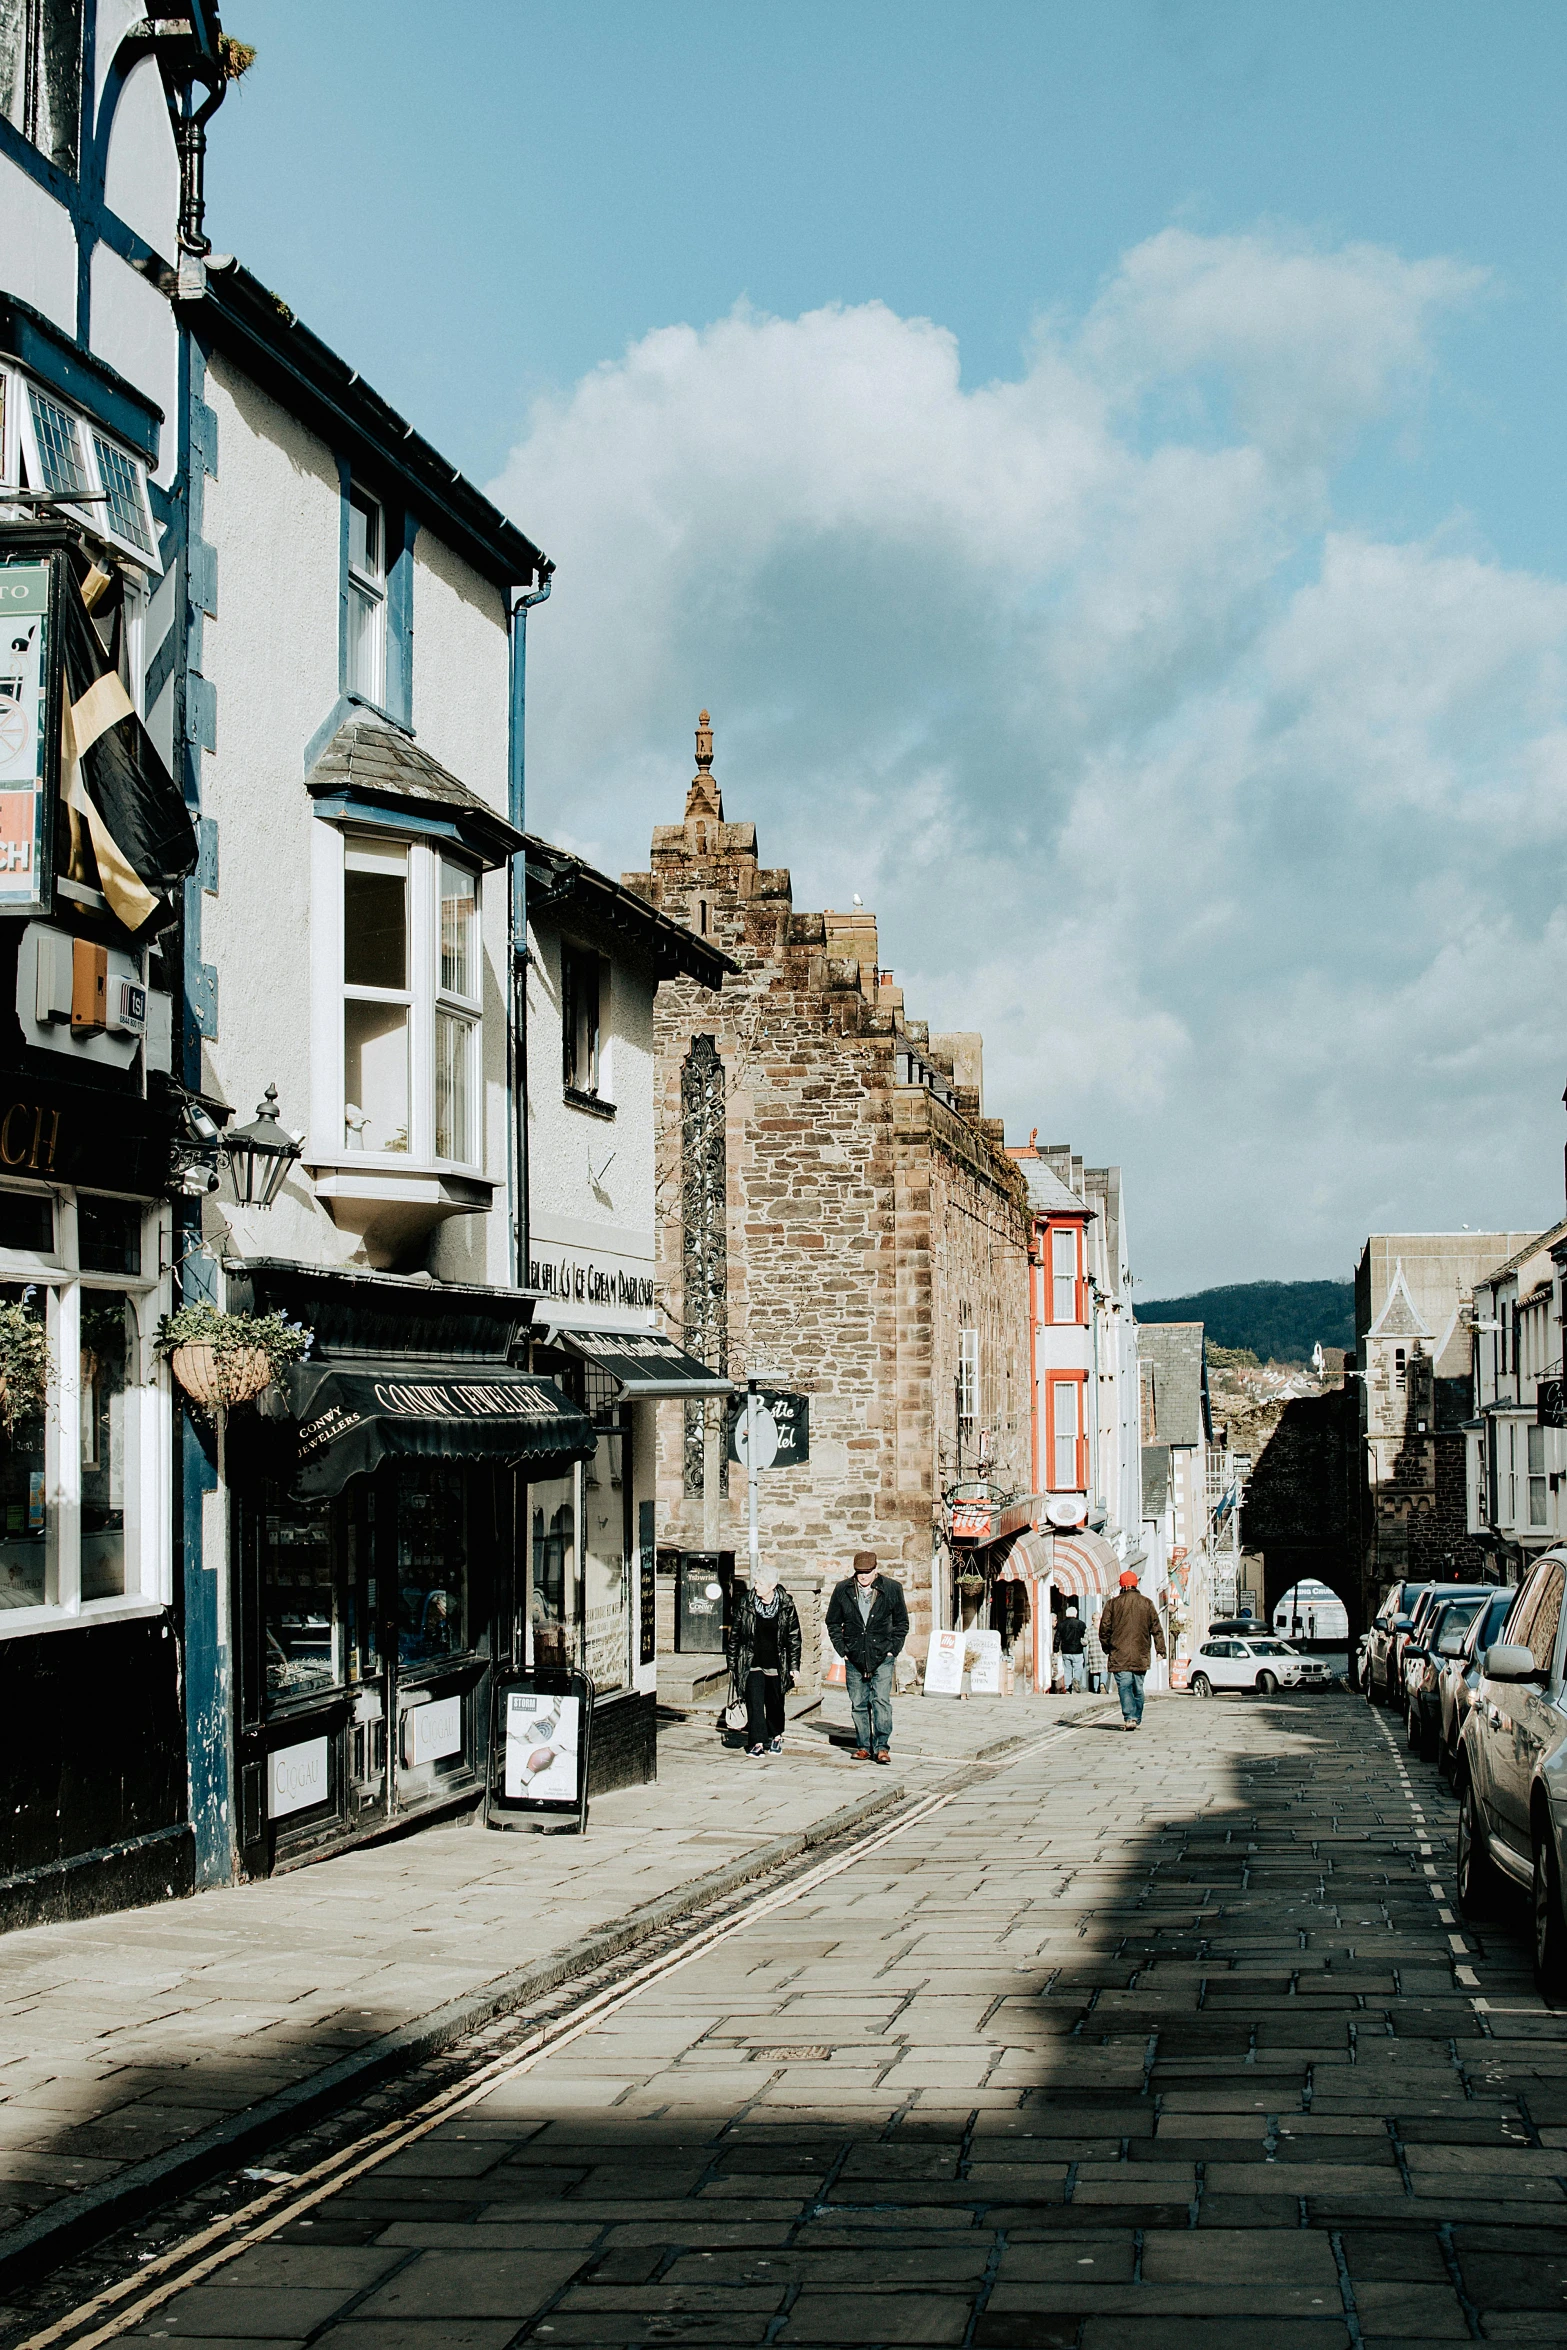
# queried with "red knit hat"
point(1128, 1579)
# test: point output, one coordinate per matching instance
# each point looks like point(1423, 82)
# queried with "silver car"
point(1512, 1769)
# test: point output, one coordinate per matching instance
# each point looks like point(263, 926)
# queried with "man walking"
point(1127, 1626)
point(1071, 1638)
point(867, 1623)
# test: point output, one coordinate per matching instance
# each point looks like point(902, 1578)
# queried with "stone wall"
point(866, 1221)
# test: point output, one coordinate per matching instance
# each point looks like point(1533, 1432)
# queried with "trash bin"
point(702, 1594)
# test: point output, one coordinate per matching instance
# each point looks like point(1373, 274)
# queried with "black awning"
point(646, 1363)
point(352, 1419)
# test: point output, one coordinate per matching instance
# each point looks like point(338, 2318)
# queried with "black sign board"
point(791, 1417)
point(539, 1744)
point(1550, 1403)
point(647, 1585)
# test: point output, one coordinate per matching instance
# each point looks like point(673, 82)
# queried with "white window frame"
point(968, 1380)
point(367, 595)
point(149, 1573)
point(423, 995)
point(97, 450)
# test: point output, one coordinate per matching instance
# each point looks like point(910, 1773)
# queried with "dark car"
point(1391, 1620)
point(1460, 1677)
point(1416, 1642)
point(1512, 1769)
point(1434, 1642)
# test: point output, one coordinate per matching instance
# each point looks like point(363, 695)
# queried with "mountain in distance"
point(1281, 1321)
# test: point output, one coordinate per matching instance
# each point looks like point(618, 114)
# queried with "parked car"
point(1460, 1678)
point(1512, 1769)
point(1391, 1619)
point(1264, 1664)
point(1422, 1617)
point(1432, 1644)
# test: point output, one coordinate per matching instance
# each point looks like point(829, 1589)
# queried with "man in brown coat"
point(1127, 1626)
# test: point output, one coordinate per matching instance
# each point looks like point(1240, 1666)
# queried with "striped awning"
point(1027, 1558)
point(1085, 1562)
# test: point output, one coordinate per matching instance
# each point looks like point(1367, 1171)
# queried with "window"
point(366, 674)
point(968, 1384)
point(579, 1019)
point(81, 1482)
point(1067, 1446)
point(46, 444)
point(1537, 1510)
point(412, 1005)
point(41, 75)
point(1399, 1368)
point(1512, 1472)
point(1063, 1273)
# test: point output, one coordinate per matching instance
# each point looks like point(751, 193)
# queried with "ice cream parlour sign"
point(590, 1284)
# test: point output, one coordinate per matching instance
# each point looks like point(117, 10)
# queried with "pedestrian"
point(1093, 1653)
point(867, 1623)
point(1072, 1640)
point(764, 1657)
point(1126, 1628)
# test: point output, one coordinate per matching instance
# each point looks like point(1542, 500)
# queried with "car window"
point(1268, 1648)
point(1520, 1624)
point(1542, 1630)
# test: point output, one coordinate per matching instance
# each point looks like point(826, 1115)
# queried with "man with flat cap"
point(867, 1623)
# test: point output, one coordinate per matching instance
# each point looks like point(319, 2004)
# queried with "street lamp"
point(260, 1156)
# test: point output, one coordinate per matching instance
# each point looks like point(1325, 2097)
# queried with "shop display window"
point(552, 1591)
point(605, 1564)
point(300, 1615)
point(84, 1482)
point(432, 1562)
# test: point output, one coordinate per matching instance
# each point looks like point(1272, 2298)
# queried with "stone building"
point(1413, 1312)
point(836, 1215)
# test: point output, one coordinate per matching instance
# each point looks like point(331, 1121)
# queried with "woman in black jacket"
point(764, 1656)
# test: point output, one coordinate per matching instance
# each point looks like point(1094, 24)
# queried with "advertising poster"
point(24, 749)
point(984, 1663)
point(542, 1736)
point(944, 1664)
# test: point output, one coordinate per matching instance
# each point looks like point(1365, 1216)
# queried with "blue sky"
point(1168, 637)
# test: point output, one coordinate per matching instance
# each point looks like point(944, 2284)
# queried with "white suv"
point(1263, 1665)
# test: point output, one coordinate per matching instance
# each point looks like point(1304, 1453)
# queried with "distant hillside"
point(1281, 1321)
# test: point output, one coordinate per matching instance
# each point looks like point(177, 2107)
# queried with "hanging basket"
point(219, 1376)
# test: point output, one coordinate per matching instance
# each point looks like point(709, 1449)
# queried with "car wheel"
point(1478, 1882)
point(1550, 1928)
point(1412, 1730)
point(1267, 1684)
point(1201, 1685)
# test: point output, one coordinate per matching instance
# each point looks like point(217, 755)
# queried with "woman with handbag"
point(764, 1656)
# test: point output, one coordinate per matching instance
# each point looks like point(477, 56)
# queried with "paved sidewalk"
point(136, 2040)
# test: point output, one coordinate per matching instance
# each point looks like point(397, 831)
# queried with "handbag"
point(733, 1716)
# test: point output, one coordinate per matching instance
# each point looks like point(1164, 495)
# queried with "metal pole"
point(751, 1471)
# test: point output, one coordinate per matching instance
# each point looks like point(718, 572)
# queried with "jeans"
point(764, 1708)
point(1075, 1669)
point(1130, 1686)
point(870, 1701)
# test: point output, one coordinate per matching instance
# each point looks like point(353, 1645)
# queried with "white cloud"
point(1237, 831)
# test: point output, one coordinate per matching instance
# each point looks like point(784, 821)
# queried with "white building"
point(1516, 1452)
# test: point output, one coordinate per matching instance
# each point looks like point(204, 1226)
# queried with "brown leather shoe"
point(884, 1756)
point(862, 1754)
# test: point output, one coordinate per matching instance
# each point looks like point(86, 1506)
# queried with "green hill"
point(1279, 1320)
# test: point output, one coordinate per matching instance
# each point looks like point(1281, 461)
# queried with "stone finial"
point(704, 800)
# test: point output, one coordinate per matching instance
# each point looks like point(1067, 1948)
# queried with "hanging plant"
point(225, 1359)
point(26, 1366)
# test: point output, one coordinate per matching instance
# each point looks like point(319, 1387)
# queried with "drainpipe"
point(517, 1042)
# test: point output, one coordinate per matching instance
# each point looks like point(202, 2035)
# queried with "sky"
point(1101, 467)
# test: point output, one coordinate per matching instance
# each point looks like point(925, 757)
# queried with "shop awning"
point(352, 1419)
point(1083, 1563)
point(1026, 1560)
point(646, 1363)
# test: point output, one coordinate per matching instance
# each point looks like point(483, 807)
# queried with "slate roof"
point(1172, 1352)
point(372, 762)
point(563, 886)
point(1156, 1479)
point(1548, 1240)
point(1047, 1194)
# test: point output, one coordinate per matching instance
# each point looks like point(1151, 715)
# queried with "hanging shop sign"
point(539, 1752)
point(972, 1521)
point(29, 733)
point(1550, 1403)
point(783, 1430)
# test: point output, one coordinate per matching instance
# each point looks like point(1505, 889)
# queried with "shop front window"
point(82, 1482)
point(432, 1563)
point(552, 1602)
point(299, 1610)
point(606, 1563)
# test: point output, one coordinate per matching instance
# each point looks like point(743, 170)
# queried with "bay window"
point(411, 1002)
point(1065, 1242)
point(1067, 1434)
point(82, 1482)
point(46, 444)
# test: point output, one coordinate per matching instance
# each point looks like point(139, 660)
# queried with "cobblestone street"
point(1072, 2060)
